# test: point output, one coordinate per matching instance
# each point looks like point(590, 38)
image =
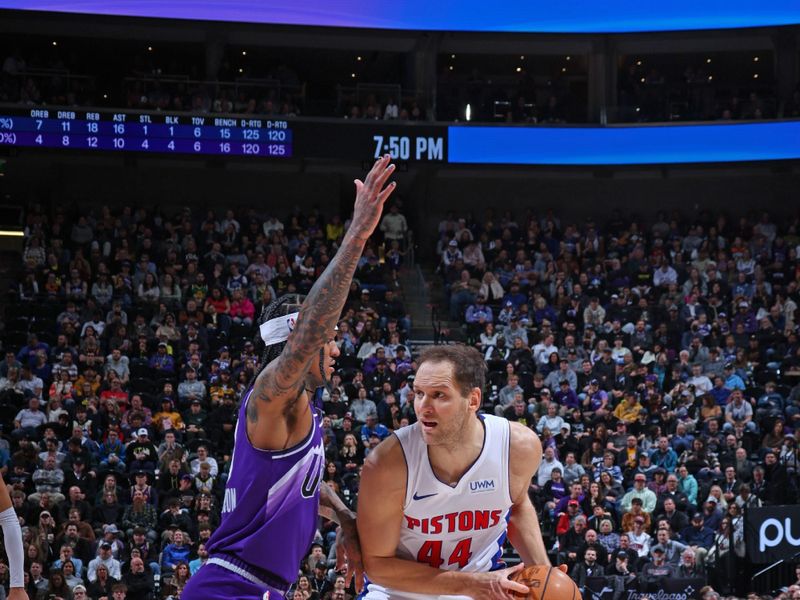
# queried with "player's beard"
point(453, 431)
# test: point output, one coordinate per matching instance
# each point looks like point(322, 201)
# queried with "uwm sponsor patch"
point(480, 486)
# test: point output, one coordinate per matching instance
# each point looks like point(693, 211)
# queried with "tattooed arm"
point(281, 382)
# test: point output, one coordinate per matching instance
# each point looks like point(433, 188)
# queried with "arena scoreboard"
point(218, 135)
point(245, 137)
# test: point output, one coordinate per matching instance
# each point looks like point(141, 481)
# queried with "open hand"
point(497, 585)
point(370, 197)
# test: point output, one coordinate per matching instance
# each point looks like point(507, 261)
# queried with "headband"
point(277, 330)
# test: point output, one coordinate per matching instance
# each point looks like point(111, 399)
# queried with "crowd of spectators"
point(691, 92)
point(173, 85)
point(163, 81)
point(657, 362)
point(127, 345)
point(386, 107)
point(148, 85)
point(660, 365)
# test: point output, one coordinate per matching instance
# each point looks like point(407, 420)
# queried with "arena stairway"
point(423, 297)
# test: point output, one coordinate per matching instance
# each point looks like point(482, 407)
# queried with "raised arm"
point(282, 380)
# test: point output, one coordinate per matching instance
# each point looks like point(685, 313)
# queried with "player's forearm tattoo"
point(319, 314)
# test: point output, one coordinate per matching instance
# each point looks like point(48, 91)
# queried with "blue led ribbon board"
point(630, 145)
point(529, 16)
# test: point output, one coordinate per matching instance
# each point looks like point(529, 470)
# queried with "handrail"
point(356, 122)
point(48, 73)
point(410, 247)
point(236, 84)
point(267, 81)
point(167, 77)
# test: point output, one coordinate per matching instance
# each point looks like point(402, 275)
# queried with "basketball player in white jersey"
point(438, 498)
point(12, 534)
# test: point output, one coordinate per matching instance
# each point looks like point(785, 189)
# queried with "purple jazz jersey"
point(271, 504)
point(212, 582)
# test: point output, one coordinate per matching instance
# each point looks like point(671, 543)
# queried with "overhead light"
point(708, 61)
point(468, 112)
point(451, 67)
point(244, 52)
point(105, 96)
point(563, 69)
point(55, 43)
point(755, 75)
point(358, 58)
point(452, 56)
point(353, 75)
point(638, 109)
point(522, 57)
point(638, 63)
point(519, 69)
point(241, 70)
point(642, 80)
point(710, 77)
point(755, 59)
point(149, 48)
point(11, 233)
point(569, 58)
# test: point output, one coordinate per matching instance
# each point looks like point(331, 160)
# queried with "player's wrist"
point(468, 583)
point(346, 516)
point(358, 234)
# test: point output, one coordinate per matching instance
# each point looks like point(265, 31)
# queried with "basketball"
point(547, 583)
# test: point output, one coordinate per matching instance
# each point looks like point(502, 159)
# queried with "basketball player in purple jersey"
point(274, 493)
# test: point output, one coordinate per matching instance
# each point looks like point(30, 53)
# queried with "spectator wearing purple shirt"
point(566, 396)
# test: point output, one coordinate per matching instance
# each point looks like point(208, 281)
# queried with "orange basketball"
point(546, 583)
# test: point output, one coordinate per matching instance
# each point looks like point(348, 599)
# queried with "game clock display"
point(366, 139)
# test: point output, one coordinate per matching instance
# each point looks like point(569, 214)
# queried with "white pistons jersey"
point(456, 528)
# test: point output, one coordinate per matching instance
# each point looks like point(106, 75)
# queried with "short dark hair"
point(469, 367)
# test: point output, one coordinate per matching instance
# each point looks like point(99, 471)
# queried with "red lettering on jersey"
point(431, 553)
point(468, 520)
point(451, 521)
point(496, 514)
point(462, 552)
point(436, 525)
